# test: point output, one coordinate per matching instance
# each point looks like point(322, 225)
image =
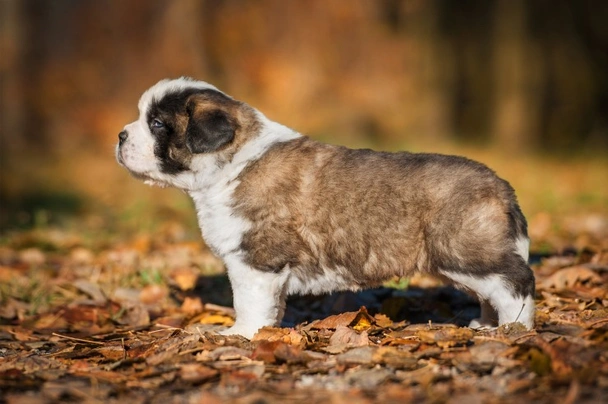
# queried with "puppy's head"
point(181, 121)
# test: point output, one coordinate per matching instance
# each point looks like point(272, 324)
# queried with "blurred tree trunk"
point(180, 45)
point(11, 91)
point(516, 72)
point(437, 73)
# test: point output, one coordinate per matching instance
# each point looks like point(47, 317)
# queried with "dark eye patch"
point(170, 144)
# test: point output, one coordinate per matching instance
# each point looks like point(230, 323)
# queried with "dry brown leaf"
point(382, 320)
point(112, 352)
point(558, 354)
point(12, 308)
point(286, 335)
point(185, 278)
point(445, 336)
point(568, 277)
point(153, 294)
point(104, 375)
point(395, 357)
point(192, 306)
point(332, 322)
point(357, 356)
point(273, 351)
point(290, 354)
point(51, 321)
point(264, 351)
point(174, 320)
point(359, 320)
point(196, 373)
point(348, 337)
point(136, 315)
point(91, 289)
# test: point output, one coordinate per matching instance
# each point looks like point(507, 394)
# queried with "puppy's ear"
point(208, 130)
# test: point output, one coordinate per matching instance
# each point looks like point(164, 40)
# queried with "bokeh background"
point(521, 85)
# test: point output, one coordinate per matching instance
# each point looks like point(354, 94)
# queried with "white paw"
point(479, 324)
point(247, 332)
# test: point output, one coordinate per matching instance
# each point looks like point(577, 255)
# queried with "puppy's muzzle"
point(122, 137)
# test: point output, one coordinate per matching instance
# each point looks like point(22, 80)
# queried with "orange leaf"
point(217, 319)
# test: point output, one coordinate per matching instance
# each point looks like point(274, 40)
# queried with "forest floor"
point(132, 320)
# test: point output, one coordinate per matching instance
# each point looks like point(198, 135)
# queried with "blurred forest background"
point(521, 85)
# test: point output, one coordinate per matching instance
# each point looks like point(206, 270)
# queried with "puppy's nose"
point(122, 136)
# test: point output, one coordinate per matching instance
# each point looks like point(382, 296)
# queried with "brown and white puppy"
point(290, 215)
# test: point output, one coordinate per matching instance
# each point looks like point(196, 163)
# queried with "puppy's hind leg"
point(259, 297)
point(507, 296)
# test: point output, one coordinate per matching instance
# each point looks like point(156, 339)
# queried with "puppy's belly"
point(325, 282)
point(325, 279)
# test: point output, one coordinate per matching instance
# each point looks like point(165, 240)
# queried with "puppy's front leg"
point(259, 297)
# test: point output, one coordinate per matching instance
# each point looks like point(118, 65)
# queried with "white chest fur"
point(214, 186)
point(222, 230)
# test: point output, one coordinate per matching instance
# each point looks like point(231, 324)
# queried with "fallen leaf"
point(91, 289)
point(196, 373)
point(568, 277)
point(52, 321)
point(382, 320)
point(368, 379)
point(332, 322)
point(264, 351)
point(112, 352)
point(286, 335)
point(13, 308)
point(216, 319)
point(185, 278)
point(136, 315)
point(289, 354)
point(558, 353)
point(395, 357)
point(540, 362)
point(357, 319)
point(357, 356)
point(445, 336)
point(175, 320)
point(152, 294)
point(192, 306)
point(229, 353)
point(362, 320)
point(348, 337)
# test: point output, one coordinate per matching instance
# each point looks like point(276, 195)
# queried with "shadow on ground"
point(414, 304)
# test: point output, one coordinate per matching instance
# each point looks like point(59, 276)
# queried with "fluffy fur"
point(291, 215)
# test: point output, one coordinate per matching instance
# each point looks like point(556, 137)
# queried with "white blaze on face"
point(137, 151)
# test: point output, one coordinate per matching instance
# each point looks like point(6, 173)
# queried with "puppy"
point(291, 215)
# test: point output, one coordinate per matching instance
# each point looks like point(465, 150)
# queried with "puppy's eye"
point(157, 124)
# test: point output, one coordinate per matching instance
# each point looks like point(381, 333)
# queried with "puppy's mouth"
point(118, 154)
point(143, 176)
point(119, 157)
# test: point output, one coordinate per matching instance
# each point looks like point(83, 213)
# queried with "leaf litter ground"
point(135, 320)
